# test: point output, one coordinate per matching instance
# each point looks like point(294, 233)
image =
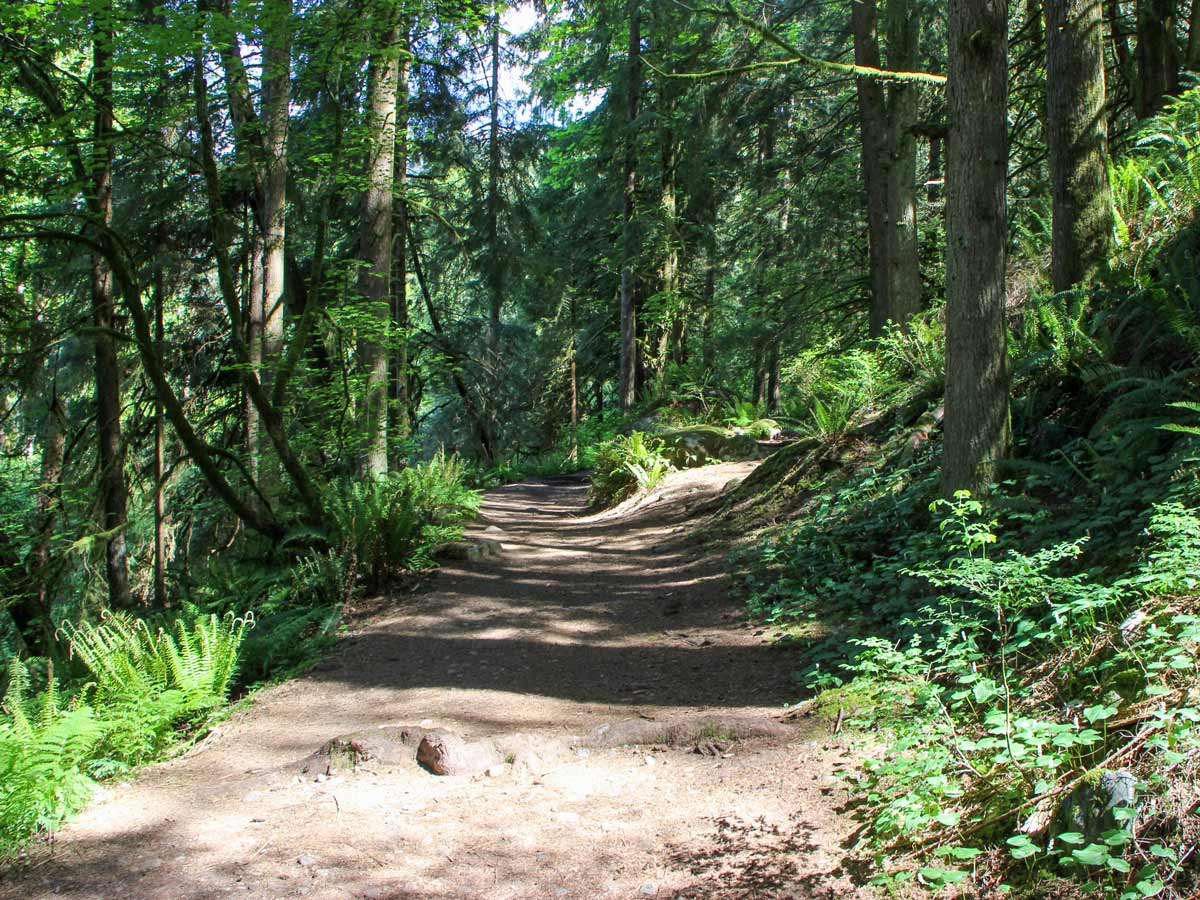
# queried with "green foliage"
point(43, 754)
point(146, 685)
point(625, 465)
point(385, 526)
point(916, 353)
point(1156, 189)
point(742, 414)
point(1016, 682)
point(127, 660)
point(763, 429)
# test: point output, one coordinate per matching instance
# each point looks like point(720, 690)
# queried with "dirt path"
point(583, 621)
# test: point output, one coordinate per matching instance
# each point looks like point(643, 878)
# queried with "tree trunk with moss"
point(872, 124)
point(1157, 55)
point(1077, 136)
point(977, 430)
point(903, 258)
point(375, 236)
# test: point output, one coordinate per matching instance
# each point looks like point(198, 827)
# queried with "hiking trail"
point(584, 620)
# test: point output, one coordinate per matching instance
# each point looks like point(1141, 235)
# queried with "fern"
point(42, 755)
point(387, 525)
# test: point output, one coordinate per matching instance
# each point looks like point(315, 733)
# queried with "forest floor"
point(584, 620)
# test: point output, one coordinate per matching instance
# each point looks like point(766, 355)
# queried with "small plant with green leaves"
point(44, 749)
point(393, 524)
point(626, 465)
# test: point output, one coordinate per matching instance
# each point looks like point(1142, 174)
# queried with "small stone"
point(583, 752)
point(494, 771)
point(649, 889)
point(561, 892)
point(305, 860)
point(650, 761)
point(426, 723)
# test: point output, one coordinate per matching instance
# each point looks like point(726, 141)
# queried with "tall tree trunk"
point(495, 264)
point(936, 178)
point(1077, 136)
point(872, 125)
point(574, 454)
point(977, 431)
point(113, 497)
point(160, 443)
point(1192, 59)
point(272, 420)
point(671, 326)
point(254, 344)
point(758, 388)
point(496, 260)
point(31, 613)
point(707, 351)
point(773, 377)
point(904, 261)
point(1120, 42)
point(402, 415)
point(375, 235)
point(277, 56)
point(628, 365)
point(1157, 55)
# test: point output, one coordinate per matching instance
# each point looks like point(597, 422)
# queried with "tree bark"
point(272, 420)
point(1077, 138)
point(402, 416)
point(671, 327)
point(707, 350)
point(773, 377)
point(1120, 42)
point(160, 443)
point(1192, 59)
point(628, 363)
point(375, 236)
point(936, 178)
point(495, 265)
point(1157, 55)
point(254, 344)
point(31, 612)
point(977, 431)
point(113, 496)
point(277, 56)
point(903, 257)
point(872, 124)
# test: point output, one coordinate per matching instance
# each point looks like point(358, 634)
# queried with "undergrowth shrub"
point(44, 751)
point(385, 526)
point(147, 686)
point(1023, 685)
point(1156, 188)
point(627, 464)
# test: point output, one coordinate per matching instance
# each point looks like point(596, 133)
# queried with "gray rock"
point(472, 550)
point(1090, 808)
point(648, 889)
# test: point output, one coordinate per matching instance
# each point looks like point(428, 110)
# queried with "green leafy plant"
point(385, 526)
point(129, 661)
point(627, 464)
point(43, 752)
